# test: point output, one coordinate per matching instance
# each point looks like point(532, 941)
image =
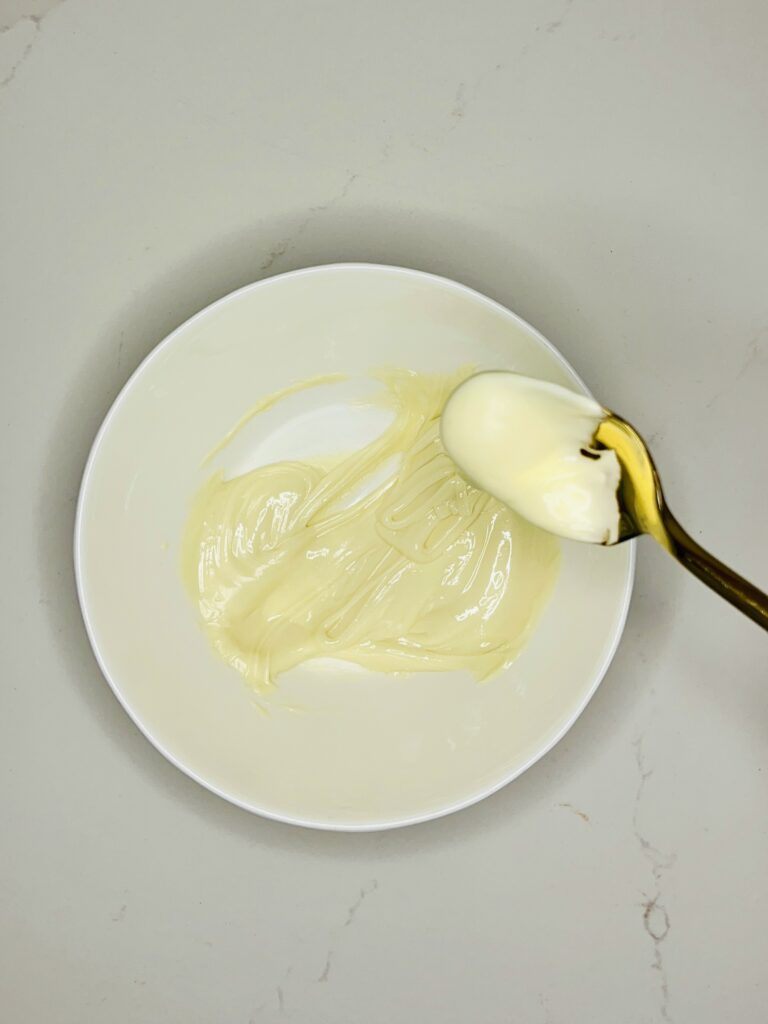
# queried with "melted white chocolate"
point(424, 572)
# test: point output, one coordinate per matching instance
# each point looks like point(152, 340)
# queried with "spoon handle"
point(719, 577)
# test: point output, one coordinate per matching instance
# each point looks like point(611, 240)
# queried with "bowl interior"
point(335, 748)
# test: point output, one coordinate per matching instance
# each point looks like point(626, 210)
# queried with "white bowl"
point(362, 751)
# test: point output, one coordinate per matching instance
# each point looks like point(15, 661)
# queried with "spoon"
point(643, 509)
point(567, 464)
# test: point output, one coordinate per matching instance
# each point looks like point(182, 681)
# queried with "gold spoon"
point(644, 510)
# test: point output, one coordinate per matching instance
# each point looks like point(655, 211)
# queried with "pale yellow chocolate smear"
point(423, 573)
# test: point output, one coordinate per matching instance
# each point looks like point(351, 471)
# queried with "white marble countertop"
point(599, 167)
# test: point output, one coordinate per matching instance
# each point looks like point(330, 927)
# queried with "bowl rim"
point(329, 825)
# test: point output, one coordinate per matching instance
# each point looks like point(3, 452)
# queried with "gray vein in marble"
point(466, 92)
point(655, 916)
point(323, 977)
point(34, 12)
point(752, 355)
point(574, 810)
point(120, 914)
point(556, 23)
point(352, 911)
point(25, 10)
point(365, 891)
point(278, 998)
point(465, 95)
point(20, 60)
point(553, 26)
point(460, 101)
point(545, 1008)
point(285, 246)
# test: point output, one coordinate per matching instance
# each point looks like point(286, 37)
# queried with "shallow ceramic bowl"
point(358, 750)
